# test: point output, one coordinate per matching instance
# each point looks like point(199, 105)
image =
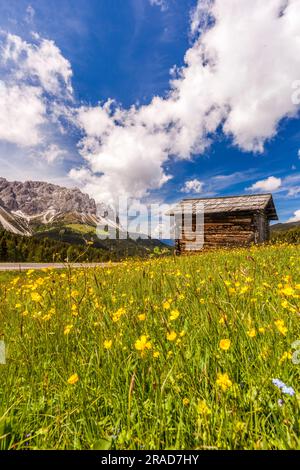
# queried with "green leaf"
point(102, 444)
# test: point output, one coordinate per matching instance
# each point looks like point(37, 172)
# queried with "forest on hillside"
point(16, 248)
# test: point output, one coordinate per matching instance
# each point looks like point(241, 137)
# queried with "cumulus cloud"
point(200, 17)
point(22, 112)
point(41, 62)
point(267, 185)
point(192, 186)
point(34, 77)
point(296, 217)
point(237, 77)
point(52, 153)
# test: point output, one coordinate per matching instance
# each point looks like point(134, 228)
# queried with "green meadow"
point(168, 353)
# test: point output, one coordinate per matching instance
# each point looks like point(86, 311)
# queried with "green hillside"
point(66, 243)
point(289, 233)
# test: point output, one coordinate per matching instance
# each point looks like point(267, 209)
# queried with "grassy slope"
point(286, 233)
point(78, 234)
point(130, 397)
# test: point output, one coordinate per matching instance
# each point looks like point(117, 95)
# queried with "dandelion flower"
point(166, 305)
point(73, 379)
point(142, 344)
point(142, 317)
point(225, 344)
point(107, 344)
point(68, 329)
point(174, 315)
point(223, 381)
point(251, 333)
point(287, 355)
point(203, 409)
point(171, 336)
point(156, 354)
point(35, 296)
point(281, 327)
point(288, 291)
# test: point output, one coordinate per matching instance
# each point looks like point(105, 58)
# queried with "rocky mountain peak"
point(36, 197)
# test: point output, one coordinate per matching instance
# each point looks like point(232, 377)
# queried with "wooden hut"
point(224, 221)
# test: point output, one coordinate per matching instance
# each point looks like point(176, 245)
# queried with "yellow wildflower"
point(287, 355)
point(244, 289)
point(185, 401)
point(142, 317)
point(288, 291)
point(202, 408)
point(223, 381)
point(174, 315)
point(73, 379)
point(261, 329)
point(239, 426)
point(107, 344)
point(171, 336)
point(118, 314)
point(223, 319)
point(156, 354)
point(166, 305)
point(225, 344)
point(68, 329)
point(281, 327)
point(182, 333)
point(251, 333)
point(142, 344)
point(36, 297)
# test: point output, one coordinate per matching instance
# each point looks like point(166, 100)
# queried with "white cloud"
point(237, 76)
point(22, 112)
point(160, 3)
point(299, 154)
point(34, 78)
point(296, 217)
point(200, 17)
point(41, 61)
point(52, 153)
point(192, 186)
point(269, 184)
point(291, 185)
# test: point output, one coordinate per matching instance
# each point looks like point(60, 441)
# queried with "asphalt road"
point(27, 266)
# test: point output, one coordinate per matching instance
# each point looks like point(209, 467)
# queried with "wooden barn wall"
point(228, 230)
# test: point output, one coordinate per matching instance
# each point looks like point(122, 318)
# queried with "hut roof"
point(247, 203)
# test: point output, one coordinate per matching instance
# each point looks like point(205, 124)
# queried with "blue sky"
point(123, 50)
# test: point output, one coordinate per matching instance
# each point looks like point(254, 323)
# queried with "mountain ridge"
point(26, 206)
